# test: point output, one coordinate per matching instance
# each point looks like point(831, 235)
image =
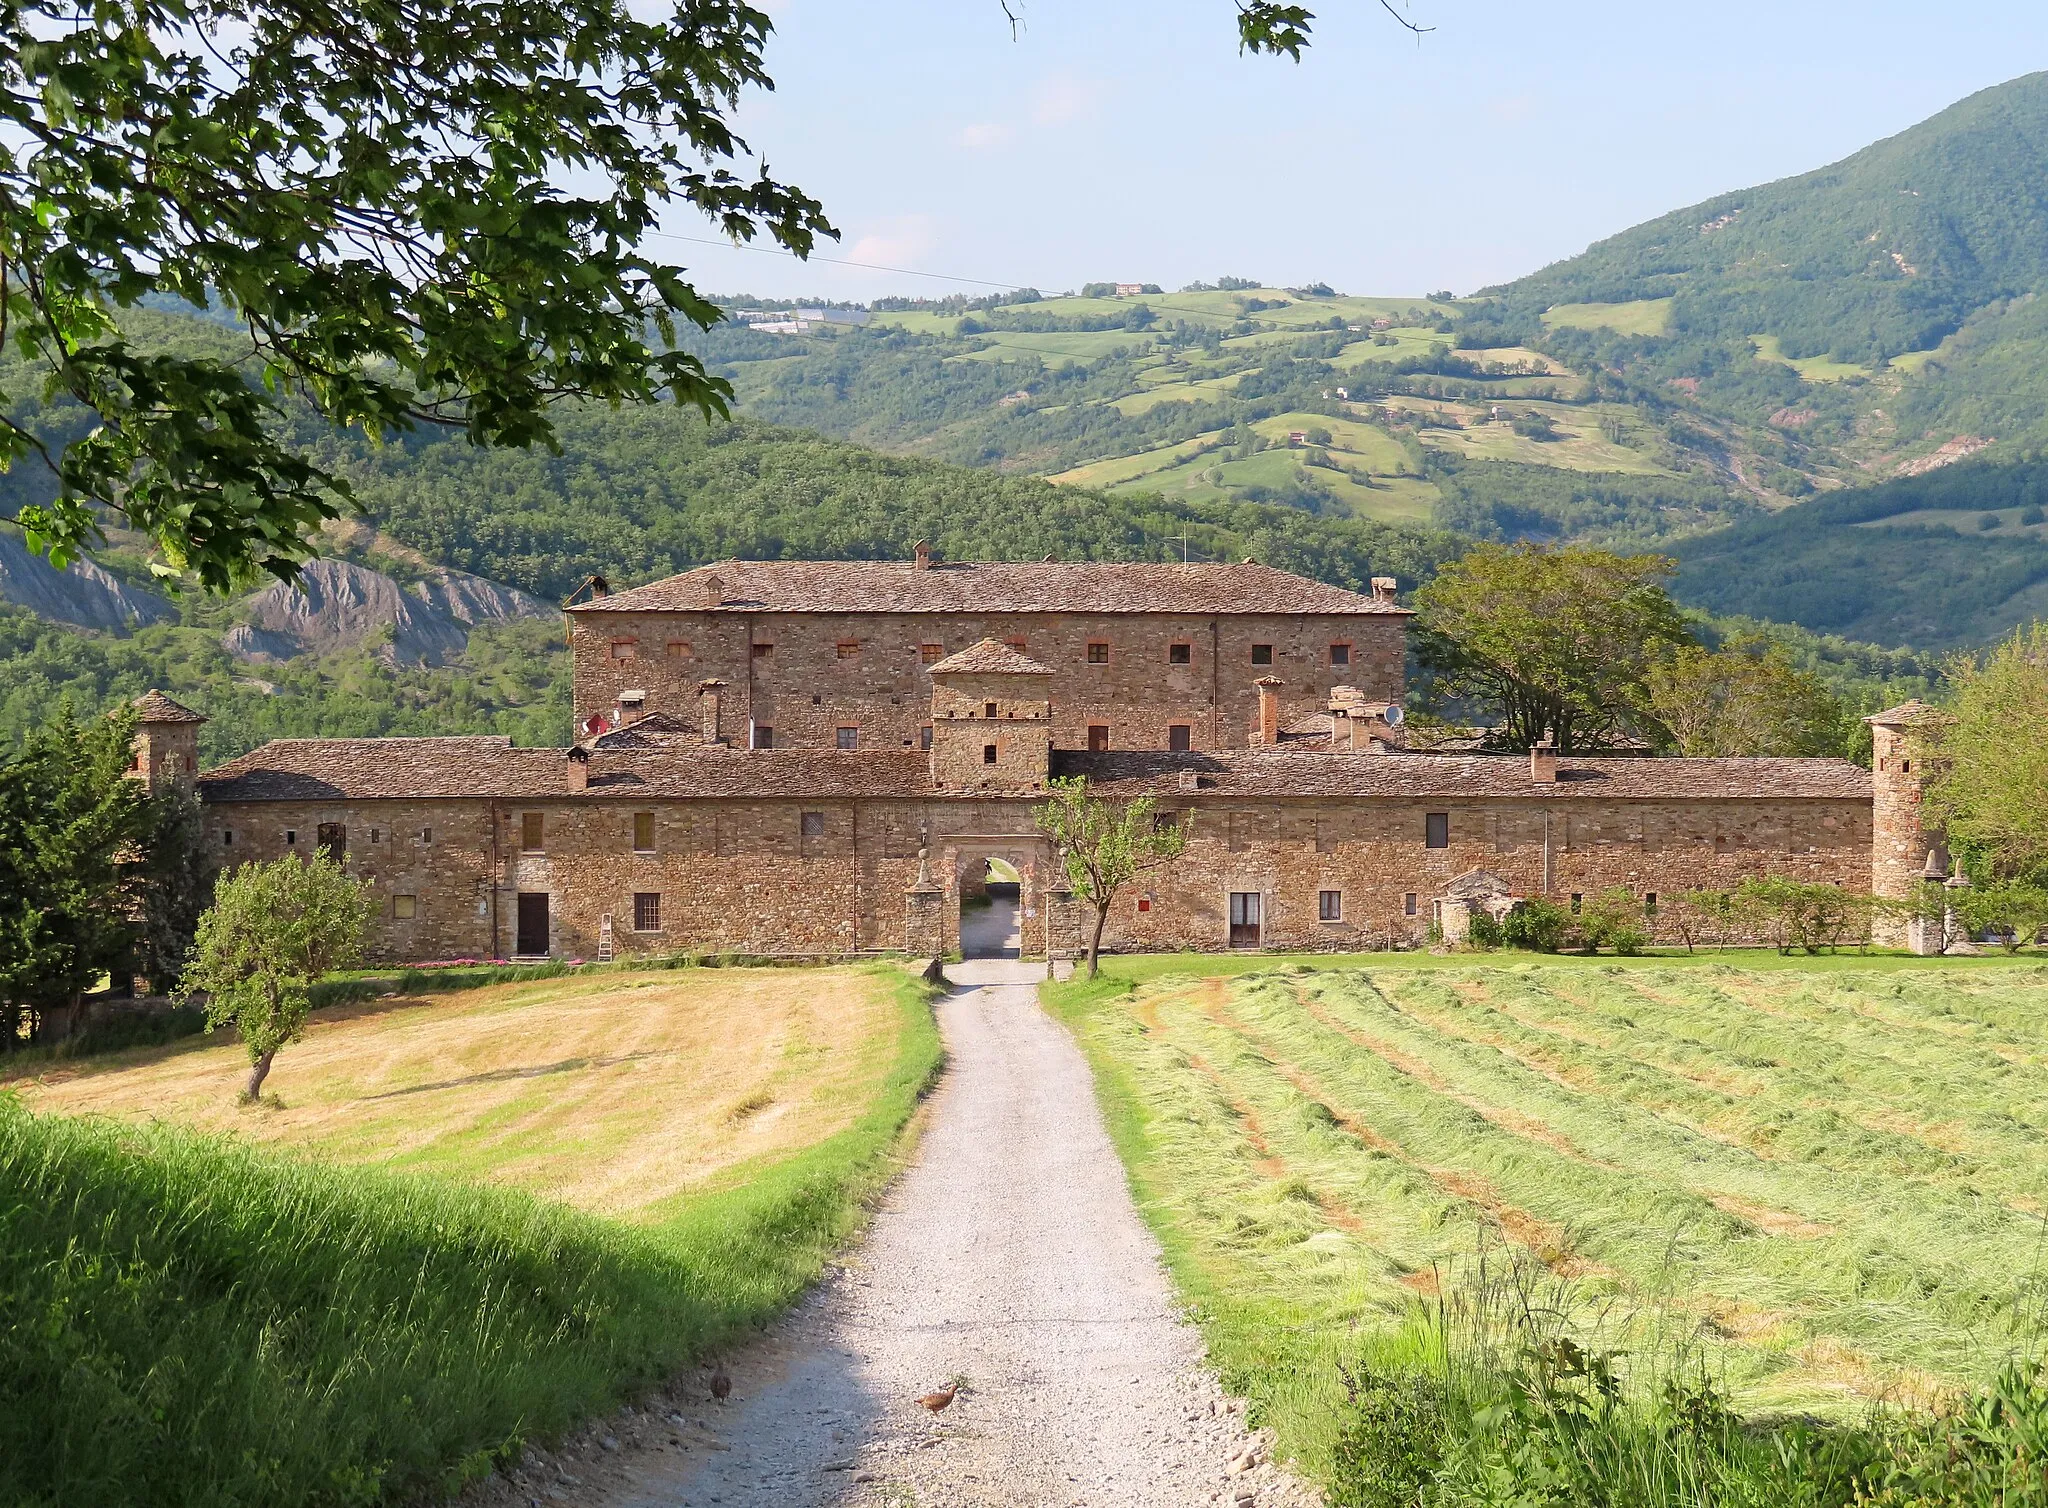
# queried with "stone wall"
point(807, 675)
point(790, 876)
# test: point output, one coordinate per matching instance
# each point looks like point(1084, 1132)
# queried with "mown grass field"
point(1649, 316)
point(361, 1296)
point(1823, 1188)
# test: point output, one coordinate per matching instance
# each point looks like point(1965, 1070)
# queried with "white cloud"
point(987, 134)
point(899, 241)
point(1063, 101)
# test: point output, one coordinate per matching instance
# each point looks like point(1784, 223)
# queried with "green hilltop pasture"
point(1819, 1186)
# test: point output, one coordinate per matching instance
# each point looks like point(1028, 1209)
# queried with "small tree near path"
point(273, 930)
point(1104, 845)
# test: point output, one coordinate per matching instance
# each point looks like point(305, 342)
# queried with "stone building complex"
point(823, 758)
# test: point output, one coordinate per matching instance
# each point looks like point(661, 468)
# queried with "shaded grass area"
point(1587, 1226)
point(187, 1320)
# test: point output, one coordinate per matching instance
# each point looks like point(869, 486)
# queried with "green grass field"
point(1649, 316)
point(190, 1319)
point(1812, 368)
point(1819, 1187)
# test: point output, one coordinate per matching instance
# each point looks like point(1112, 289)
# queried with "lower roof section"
point(360, 769)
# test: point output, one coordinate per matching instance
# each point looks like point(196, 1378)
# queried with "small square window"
point(848, 738)
point(1144, 903)
point(1098, 738)
point(647, 911)
point(1340, 656)
point(1262, 654)
point(848, 649)
point(678, 650)
point(1436, 829)
point(1329, 905)
point(811, 824)
point(291, 838)
point(763, 651)
point(625, 649)
point(1098, 652)
point(404, 907)
point(1408, 904)
point(1165, 822)
point(1180, 737)
point(764, 736)
point(931, 654)
point(643, 832)
point(988, 753)
point(531, 833)
point(1180, 654)
point(924, 736)
point(988, 709)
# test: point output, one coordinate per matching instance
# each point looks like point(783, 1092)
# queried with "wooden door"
point(533, 925)
point(1244, 918)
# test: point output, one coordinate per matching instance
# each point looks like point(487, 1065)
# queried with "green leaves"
point(368, 188)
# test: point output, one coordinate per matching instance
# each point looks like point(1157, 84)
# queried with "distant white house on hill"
point(798, 321)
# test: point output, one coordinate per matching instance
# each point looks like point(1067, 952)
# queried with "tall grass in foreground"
point(184, 1321)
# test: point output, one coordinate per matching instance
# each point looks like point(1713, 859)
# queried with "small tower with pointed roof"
point(991, 720)
point(166, 743)
point(1904, 851)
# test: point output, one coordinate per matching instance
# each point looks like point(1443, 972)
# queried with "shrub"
point(1803, 916)
point(1614, 919)
point(1485, 932)
point(1390, 1439)
point(1536, 924)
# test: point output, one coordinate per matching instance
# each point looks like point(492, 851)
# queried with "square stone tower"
point(991, 720)
point(166, 744)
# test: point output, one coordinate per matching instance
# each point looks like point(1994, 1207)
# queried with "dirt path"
point(1010, 1256)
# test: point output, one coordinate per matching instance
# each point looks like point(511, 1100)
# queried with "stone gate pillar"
point(924, 913)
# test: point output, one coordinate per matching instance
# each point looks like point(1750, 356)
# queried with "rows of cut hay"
point(186, 1319)
point(1817, 1190)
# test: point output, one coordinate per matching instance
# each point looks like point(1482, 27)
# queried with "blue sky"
point(1127, 139)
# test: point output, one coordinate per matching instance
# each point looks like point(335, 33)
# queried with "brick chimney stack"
point(922, 551)
point(632, 707)
point(579, 769)
point(1543, 760)
point(1268, 732)
point(714, 590)
point(1383, 589)
point(708, 697)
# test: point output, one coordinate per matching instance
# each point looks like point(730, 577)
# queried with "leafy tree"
point(1990, 789)
point(2011, 911)
point(1104, 845)
point(370, 192)
point(273, 930)
point(68, 815)
point(1613, 919)
point(175, 884)
point(1801, 915)
point(1552, 641)
point(1746, 698)
point(1539, 925)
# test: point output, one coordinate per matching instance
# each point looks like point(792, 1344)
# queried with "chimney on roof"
point(1543, 760)
point(579, 769)
point(707, 709)
point(1247, 561)
point(1268, 731)
point(922, 551)
point(599, 587)
point(632, 707)
point(714, 590)
point(1383, 589)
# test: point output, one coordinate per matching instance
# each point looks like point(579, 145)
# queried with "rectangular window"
point(1408, 904)
point(811, 824)
point(624, 649)
point(333, 839)
point(1098, 652)
point(1098, 738)
point(643, 832)
point(924, 736)
point(646, 911)
point(931, 654)
point(531, 832)
point(1165, 822)
point(227, 837)
point(988, 709)
point(291, 838)
point(848, 649)
point(988, 753)
point(1329, 905)
point(1577, 901)
point(763, 651)
point(1180, 737)
point(678, 650)
point(1340, 656)
point(404, 907)
point(376, 835)
point(1437, 829)
point(764, 736)
point(1144, 903)
point(1262, 654)
point(848, 738)
point(426, 835)
point(1180, 654)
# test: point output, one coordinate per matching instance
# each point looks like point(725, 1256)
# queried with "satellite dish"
point(1394, 714)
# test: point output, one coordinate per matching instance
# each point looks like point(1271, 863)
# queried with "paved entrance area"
point(1009, 1258)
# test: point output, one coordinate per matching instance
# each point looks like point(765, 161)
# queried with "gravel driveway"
point(1009, 1256)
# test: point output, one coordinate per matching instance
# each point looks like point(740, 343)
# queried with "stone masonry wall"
point(756, 876)
point(823, 672)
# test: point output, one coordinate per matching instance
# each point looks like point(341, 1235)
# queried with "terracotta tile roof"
point(155, 707)
point(1906, 715)
point(759, 774)
point(990, 657)
point(891, 586)
point(1288, 772)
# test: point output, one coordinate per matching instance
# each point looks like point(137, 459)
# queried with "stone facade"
point(663, 832)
